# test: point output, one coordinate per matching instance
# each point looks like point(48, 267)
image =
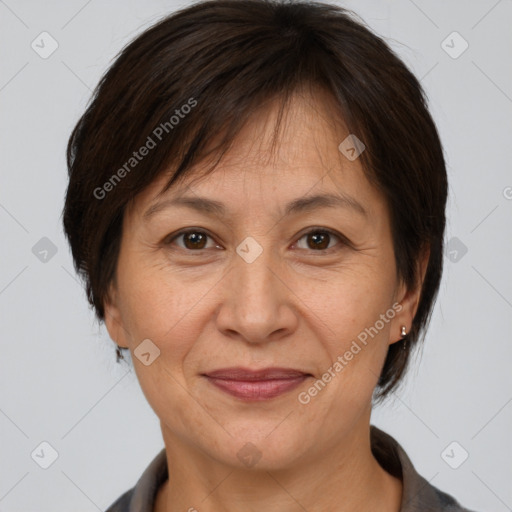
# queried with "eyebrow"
point(300, 205)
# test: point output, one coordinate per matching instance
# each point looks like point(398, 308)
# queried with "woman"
point(257, 204)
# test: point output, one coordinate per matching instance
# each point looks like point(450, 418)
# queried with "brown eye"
point(319, 240)
point(191, 240)
point(194, 240)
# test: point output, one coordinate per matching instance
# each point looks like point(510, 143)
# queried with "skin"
point(295, 306)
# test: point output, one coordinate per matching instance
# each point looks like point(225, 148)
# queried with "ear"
point(408, 299)
point(113, 320)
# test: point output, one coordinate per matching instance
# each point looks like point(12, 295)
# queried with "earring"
point(403, 333)
point(119, 354)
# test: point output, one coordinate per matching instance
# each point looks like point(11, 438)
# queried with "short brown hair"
point(224, 59)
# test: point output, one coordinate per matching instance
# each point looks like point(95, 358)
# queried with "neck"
point(347, 479)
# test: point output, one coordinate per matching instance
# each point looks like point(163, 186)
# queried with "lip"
point(256, 385)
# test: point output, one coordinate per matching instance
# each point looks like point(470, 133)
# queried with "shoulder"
point(418, 494)
point(448, 502)
point(141, 497)
point(122, 503)
point(444, 502)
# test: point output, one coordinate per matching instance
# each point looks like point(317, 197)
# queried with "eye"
point(193, 239)
point(319, 239)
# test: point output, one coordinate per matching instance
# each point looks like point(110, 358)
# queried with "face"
point(262, 279)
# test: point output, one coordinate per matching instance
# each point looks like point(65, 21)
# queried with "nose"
point(257, 304)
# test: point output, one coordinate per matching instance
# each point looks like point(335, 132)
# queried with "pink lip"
point(256, 385)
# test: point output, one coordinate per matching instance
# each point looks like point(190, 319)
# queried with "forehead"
point(290, 158)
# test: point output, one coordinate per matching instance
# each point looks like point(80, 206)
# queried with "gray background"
point(59, 382)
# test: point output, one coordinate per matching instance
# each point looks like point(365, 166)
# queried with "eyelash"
point(342, 240)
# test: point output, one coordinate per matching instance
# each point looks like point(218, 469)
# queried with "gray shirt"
point(418, 494)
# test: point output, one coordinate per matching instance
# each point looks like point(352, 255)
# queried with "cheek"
point(170, 308)
point(354, 303)
point(169, 313)
point(358, 317)
point(356, 344)
point(167, 309)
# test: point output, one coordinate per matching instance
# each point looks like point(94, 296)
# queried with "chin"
point(268, 450)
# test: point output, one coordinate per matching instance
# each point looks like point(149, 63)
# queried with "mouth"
point(256, 385)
